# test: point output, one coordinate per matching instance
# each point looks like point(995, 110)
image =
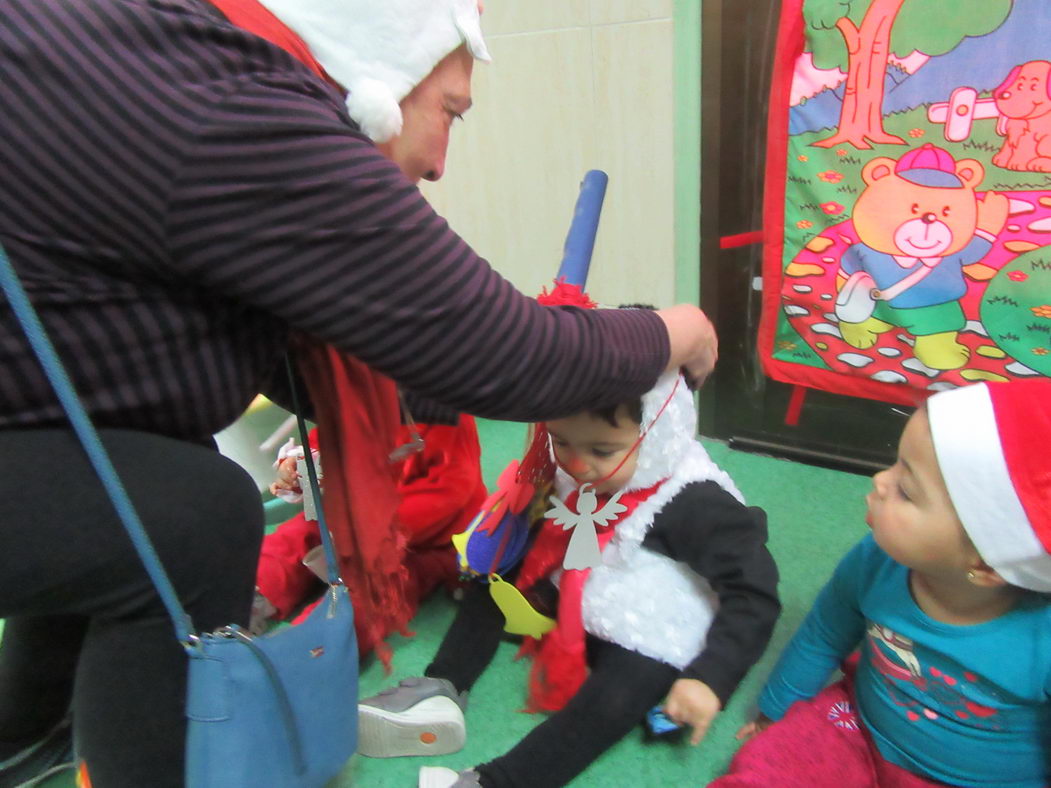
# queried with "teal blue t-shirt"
point(967, 705)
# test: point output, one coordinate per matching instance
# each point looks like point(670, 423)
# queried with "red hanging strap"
point(795, 406)
point(741, 239)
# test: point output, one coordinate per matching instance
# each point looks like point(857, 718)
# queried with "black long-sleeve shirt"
point(178, 195)
point(724, 542)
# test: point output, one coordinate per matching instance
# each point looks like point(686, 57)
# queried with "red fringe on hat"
point(537, 468)
point(565, 294)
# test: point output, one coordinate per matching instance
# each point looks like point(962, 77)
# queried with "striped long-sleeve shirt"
point(178, 195)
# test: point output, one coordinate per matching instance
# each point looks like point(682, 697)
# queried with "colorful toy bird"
point(496, 537)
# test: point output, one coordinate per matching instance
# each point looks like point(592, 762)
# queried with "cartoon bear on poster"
point(919, 222)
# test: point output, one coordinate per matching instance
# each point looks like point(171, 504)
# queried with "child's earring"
point(971, 575)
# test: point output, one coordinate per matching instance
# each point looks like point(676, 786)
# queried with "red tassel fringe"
point(557, 673)
point(565, 294)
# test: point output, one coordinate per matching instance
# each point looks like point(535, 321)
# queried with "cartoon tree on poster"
point(859, 37)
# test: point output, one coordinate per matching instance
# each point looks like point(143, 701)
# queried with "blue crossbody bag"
point(274, 711)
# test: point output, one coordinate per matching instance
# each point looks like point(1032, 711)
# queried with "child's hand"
point(287, 477)
point(754, 728)
point(692, 702)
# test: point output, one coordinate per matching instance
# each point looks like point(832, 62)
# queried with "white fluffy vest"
point(640, 599)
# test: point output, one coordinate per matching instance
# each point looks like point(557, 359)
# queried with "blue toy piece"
point(580, 240)
point(660, 726)
point(484, 547)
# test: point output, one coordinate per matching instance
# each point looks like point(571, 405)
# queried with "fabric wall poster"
point(907, 216)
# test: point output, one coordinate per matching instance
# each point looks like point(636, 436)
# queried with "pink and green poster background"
point(860, 87)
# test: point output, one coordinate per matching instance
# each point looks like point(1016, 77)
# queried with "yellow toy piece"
point(519, 616)
point(460, 540)
point(460, 543)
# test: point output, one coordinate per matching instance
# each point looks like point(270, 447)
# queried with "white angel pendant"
point(583, 551)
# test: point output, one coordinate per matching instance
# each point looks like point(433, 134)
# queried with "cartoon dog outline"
point(1024, 98)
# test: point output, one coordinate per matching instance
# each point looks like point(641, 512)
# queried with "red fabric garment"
point(441, 486)
point(256, 18)
point(281, 576)
point(560, 660)
point(285, 581)
point(440, 489)
point(358, 414)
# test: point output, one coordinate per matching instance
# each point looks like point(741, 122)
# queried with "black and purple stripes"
point(177, 195)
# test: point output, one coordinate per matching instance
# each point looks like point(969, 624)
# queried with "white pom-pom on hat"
point(379, 50)
point(372, 105)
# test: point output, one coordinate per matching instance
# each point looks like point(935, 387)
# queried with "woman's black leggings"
point(83, 623)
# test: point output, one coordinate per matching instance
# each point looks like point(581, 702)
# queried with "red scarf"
point(256, 18)
point(358, 417)
point(560, 658)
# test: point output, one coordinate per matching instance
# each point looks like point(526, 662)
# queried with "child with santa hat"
point(948, 601)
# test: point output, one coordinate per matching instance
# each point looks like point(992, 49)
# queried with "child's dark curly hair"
point(609, 414)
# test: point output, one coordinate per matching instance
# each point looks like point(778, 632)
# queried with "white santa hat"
point(993, 443)
point(379, 50)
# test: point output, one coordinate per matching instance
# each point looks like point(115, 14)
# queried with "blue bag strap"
point(89, 438)
point(332, 572)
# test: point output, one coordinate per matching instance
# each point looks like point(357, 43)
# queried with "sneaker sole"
point(434, 726)
point(436, 777)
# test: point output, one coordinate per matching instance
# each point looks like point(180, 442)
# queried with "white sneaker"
point(441, 777)
point(421, 716)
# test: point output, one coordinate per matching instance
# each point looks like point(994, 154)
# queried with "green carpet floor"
point(814, 514)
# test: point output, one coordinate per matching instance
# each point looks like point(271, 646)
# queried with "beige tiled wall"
point(574, 85)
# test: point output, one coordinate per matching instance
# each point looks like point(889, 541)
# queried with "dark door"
point(740, 404)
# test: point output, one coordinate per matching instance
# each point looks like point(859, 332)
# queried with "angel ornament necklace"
point(583, 550)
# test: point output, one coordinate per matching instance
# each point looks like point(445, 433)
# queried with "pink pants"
point(819, 743)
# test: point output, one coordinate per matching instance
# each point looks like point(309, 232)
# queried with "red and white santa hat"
point(379, 50)
point(993, 443)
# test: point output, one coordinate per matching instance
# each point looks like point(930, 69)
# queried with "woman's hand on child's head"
point(693, 344)
point(753, 728)
point(692, 702)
